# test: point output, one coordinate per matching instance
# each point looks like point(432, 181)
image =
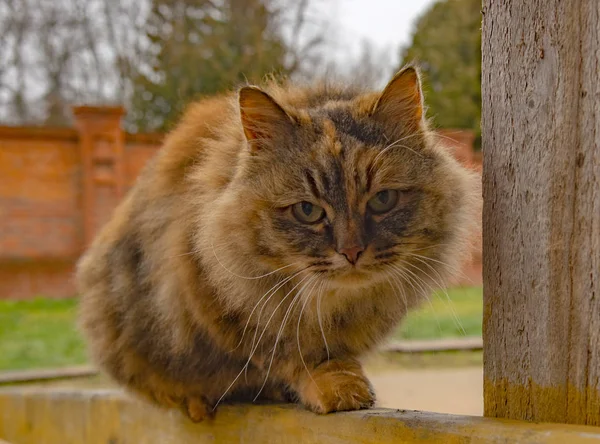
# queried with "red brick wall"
point(139, 148)
point(31, 278)
point(39, 195)
point(58, 187)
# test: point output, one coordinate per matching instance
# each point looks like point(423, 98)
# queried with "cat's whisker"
point(428, 283)
point(258, 343)
point(249, 277)
point(308, 298)
point(255, 343)
point(423, 284)
point(413, 280)
point(450, 267)
point(406, 278)
point(453, 311)
point(280, 331)
point(428, 247)
point(393, 145)
point(274, 289)
point(403, 293)
point(441, 281)
point(382, 152)
point(417, 281)
point(396, 285)
point(262, 309)
point(455, 317)
point(443, 290)
point(322, 290)
point(287, 314)
point(392, 286)
point(443, 136)
point(385, 150)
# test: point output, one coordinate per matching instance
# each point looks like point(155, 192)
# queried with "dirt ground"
point(457, 390)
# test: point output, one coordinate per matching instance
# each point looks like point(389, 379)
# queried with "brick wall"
point(58, 186)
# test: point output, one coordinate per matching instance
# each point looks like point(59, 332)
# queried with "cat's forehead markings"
point(332, 140)
point(361, 130)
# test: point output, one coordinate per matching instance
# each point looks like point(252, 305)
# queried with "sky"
point(387, 23)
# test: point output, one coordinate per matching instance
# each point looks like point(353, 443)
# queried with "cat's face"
point(352, 190)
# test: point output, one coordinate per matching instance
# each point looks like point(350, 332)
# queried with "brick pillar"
point(101, 142)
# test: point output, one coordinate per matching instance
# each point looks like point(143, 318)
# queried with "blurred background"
point(88, 89)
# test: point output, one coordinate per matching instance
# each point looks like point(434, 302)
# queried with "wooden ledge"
point(108, 416)
point(40, 375)
point(434, 345)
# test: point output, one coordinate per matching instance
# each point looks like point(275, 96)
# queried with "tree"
point(201, 47)
point(56, 53)
point(152, 56)
point(447, 45)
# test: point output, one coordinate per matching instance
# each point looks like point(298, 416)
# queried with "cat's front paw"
point(194, 406)
point(197, 409)
point(337, 386)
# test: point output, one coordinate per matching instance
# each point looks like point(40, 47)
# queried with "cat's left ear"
point(401, 102)
point(262, 117)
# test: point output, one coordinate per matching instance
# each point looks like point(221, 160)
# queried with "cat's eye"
point(383, 201)
point(307, 212)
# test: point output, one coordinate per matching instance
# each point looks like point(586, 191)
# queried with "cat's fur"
point(175, 291)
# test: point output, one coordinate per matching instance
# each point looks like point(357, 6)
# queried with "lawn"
point(42, 333)
point(455, 314)
point(39, 333)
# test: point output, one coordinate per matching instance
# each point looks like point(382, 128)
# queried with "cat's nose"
point(351, 253)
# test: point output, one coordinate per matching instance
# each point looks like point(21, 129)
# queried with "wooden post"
point(101, 141)
point(541, 222)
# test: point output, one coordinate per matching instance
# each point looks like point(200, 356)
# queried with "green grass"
point(456, 315)
point(41, 333)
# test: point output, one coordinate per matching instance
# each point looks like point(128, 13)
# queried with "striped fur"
point(175, 298)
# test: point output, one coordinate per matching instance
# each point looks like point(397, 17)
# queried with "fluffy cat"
point(279, 235)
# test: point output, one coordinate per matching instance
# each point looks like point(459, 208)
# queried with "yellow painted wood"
point(36, 416)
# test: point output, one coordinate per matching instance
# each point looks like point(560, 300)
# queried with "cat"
point(278, 236)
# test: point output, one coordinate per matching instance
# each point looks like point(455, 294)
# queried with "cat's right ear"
point(262, 117)
point(401, 101)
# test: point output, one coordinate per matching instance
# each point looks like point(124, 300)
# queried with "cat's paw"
point(335, 387)
point(197, 408)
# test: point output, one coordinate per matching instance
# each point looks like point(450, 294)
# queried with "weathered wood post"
point(541, 185)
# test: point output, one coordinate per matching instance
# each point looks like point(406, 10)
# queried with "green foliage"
point(447, 45)
point(202, 47)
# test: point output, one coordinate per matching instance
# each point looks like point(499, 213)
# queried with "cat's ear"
point(262, 117)
point(401, 102)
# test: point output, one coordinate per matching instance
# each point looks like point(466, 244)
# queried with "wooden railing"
point(102, 417)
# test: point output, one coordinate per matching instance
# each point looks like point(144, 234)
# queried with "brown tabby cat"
point(278, 236)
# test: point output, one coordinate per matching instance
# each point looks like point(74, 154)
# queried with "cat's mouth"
point(351, 276)
point(343, 274)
